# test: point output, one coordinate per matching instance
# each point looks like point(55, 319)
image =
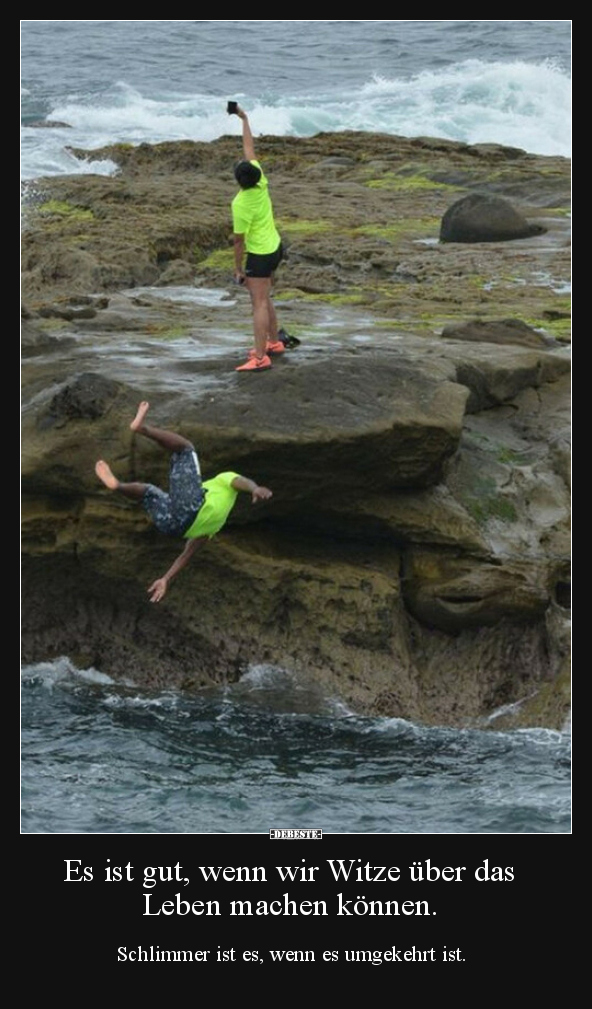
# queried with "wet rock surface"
point(415, 557)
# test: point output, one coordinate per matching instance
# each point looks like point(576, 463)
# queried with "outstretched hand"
point(261, 494)
point(157, 590)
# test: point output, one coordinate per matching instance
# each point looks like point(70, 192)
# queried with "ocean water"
point(100, 757)
point(506, 82)
point(105, 757)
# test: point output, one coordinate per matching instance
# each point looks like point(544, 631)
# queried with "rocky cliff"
point(415, 557)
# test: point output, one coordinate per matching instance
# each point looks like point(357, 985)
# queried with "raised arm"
point(158, 588)
point(257, 493)
point(248, 144)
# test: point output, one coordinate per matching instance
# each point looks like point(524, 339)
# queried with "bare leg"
point(273, 323)
point(263, 312)
point(169, 440)
point(131, 490)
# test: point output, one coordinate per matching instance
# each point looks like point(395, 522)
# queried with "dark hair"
point(247, 175)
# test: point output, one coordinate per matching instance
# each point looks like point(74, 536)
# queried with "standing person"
point(191, 509)
point(255, 234)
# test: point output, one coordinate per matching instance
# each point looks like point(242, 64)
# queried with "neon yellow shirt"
point(219, 502)
point(252, 216)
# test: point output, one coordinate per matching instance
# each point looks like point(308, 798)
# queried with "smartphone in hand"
point(231, 108)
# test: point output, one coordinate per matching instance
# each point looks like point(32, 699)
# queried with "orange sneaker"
point(255, 364)
point(275, 347)
point(272, 347)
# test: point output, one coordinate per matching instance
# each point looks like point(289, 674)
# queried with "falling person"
point(192, 509)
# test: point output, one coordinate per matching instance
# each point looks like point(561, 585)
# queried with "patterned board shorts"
point(174, 512)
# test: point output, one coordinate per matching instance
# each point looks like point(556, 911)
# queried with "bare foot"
point(103, 471)
point(138, 420)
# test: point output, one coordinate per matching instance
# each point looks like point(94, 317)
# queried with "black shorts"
point(263, 266)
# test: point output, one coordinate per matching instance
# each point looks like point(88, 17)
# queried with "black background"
point(521, 925)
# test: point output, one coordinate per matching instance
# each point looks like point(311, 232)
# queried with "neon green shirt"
point(219, 502)
point(252, 216)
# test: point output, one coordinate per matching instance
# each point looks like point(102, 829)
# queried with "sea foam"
point(517, 104)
